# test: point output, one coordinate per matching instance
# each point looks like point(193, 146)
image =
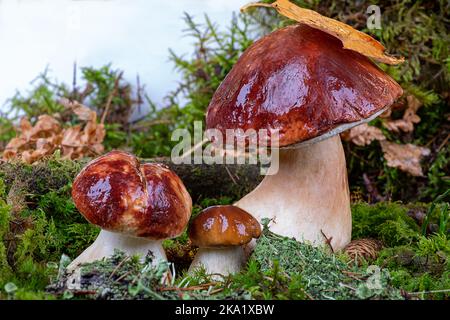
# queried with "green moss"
point(5, 269)
point(324, 275)
point(124, 277)
point(269, 284)
point(35, 234)
point(423, 276)
point(387, 221)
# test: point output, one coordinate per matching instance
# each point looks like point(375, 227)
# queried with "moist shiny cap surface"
point(223, 226)
point(118, 194)
point(301, 82)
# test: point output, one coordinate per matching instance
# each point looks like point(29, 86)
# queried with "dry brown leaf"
point(406, 124)
point(98, 148)
point(71, 137)
point(45, 126)
point(25, 128)
point(67, 152)
point(406, 157)
point(46, 136)
point(83, 113)
point(43, 147)
point(363, 134)
point(27, 156)
point(16, 143)
point(351, 38)
point(94, 133)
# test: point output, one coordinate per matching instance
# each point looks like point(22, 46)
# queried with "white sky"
point(134, 35)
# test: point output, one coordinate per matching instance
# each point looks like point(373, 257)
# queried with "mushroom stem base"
point(107, 242)
point(219, 261)
point(308, 197)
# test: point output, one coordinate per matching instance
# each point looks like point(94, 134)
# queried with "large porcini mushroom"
point(220, 232)
point(300, 82)
point(137, 206)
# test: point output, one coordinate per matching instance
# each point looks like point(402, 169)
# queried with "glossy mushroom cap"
point(300, 81)
point(118, 194)
point(223, 226)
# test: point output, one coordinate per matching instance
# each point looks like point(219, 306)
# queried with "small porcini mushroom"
point(137, 206)
point(302, 83)
point(220, 232)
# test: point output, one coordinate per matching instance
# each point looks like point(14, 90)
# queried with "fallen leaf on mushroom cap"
point(406, 157)
point(406, 124)
point(363, 134)
point(351, 38)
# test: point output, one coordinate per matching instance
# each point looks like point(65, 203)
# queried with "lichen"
point(325, 275)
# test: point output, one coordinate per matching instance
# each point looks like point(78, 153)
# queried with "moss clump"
point(422, 269)
point(38, 223)
point(118, 277)
point(324, 275)
point(416, 250)
point(128, 277)
point(5, 268)
point(385, 221)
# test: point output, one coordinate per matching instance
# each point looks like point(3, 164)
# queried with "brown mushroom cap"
point(302, 82)
point(119, 195)
point(223, 226)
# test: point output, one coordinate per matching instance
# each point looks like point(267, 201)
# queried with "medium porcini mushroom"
point(220, 232)
point(137, 206)
point(302, 83)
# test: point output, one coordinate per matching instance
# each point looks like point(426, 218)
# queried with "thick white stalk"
point(307, 196)
point(222, 261)
point(107, 241)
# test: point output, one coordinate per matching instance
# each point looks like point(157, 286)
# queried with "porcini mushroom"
point(137, 206)
point(220, 232)
point(300, 82)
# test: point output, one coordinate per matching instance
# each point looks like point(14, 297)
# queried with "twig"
point(139, 97)
point(347, 286)
point(193, 288)
point(256, 4)
point(83, 292)
point(110, 97)
point(230, 174)
point(145, 125)
point(327, 240)
point(352, 275)
point(443, 143)
point(192, 150)
point(372, 189)
point(123, 276)
point(74, 80)
point(216, 291)
point(426, 292)
point(118, 266)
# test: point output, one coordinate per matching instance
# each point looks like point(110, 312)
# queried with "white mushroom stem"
point(308, 198)
point(222, 261)
point(107, 241)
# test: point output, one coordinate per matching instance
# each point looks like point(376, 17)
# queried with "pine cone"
point(363, 249)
